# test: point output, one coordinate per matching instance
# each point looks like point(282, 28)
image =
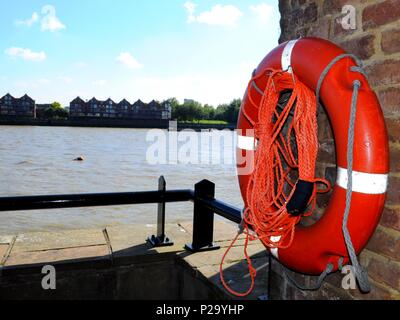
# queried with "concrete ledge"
point(119, 258)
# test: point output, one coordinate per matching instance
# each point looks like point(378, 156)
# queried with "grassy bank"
point(205, 122)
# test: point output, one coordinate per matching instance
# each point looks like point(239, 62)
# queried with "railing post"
point(161, 240)
point(203, 219)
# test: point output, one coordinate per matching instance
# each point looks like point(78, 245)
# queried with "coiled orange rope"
point(276, 160)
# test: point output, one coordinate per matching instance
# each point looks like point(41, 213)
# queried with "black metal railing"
point(203, 197)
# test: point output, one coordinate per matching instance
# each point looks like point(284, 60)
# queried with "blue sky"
point(154, 49)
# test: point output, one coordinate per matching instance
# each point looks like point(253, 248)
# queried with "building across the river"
point(123, 110)
point(41, 109)
point(23, 107)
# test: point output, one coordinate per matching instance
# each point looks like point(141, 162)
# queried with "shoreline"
point(115, 123)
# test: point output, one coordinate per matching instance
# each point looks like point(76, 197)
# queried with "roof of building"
point(139, 103)
point(24, 97)
point(77, 99)
point(124, 101)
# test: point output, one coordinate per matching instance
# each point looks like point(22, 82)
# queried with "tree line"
point(189, 111)
point(192, 111)
point(55, 111)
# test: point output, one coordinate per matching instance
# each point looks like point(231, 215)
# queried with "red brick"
point(391, 218)
point(335, 6)
point(386, 272)
point(385, 244)
point(335, 279)
point(393, 194)
point(326, 153)
point(384, 72)
point(338, 29)
point(329, 292)
point(377, 293)
point(390, 41)
point(320, 29)
point(390, 99)
point(381, 13)
point(297, 17)
point(325, 132)
point(330, 175)
point(393, 127)
point(301, 33)
point(311, 13)
point(394, 159)
point(284, 6)
point(296, 3)
point(323, 200)
point(362, 47)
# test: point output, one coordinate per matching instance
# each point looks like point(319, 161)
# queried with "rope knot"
point(252, 272)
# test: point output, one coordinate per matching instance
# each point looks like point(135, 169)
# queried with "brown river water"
point(39, 161)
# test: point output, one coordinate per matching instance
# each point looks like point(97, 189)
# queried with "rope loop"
point(328, 270)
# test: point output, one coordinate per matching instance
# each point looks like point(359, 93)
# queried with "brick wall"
point(376, 40)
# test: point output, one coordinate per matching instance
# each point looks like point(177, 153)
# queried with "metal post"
point(203, 219)
point(161, 240)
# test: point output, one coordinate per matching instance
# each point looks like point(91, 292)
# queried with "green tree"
point(208, 112)
point(232, 113)
point(228, 112)
point(195, 111)
point(56, 111)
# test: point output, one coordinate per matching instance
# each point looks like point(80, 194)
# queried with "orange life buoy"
point(314, 247)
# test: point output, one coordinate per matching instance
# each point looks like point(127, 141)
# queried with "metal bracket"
point(160, 240)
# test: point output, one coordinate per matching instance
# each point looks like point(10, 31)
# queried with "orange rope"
point(271, 185)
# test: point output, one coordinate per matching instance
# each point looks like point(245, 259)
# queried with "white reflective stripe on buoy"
point(287, 55)
point(246, 143)
point(368, 183)
point(274, 251)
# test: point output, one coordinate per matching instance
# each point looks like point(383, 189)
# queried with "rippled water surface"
point(39, 161)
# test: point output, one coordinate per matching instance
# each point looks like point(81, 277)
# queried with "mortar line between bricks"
point(390, 231)
point(384, 286)
point(381, 258)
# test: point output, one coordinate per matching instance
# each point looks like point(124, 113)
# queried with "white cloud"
point(100, 83)
point(29, 22)
point(263, 11)
point(219, 15)
point(26, 54)
point(128, 60)
point(50, 21)
point(191, 8)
